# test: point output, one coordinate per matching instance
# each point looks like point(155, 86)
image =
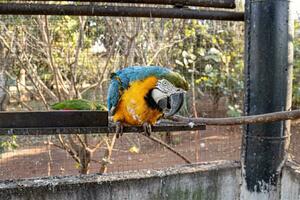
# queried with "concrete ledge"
point(215, 180)
point(290, 182)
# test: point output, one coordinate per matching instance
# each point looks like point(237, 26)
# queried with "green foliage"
point(7, 143)
point(234, 111)
point(209, 51)
point(212, 52)
point(213, 80)
point(296, 70)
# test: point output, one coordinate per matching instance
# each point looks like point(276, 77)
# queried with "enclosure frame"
point(259, 24)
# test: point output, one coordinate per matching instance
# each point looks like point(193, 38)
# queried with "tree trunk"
point(4, 63)
point(22, 85)
point(107, 155)
point(3, 94)
point(169, 137)
point(215, 107)
point(195, 113)
point(85, 160)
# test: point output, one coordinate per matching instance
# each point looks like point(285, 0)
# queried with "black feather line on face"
point(150, 101)
point(112, 75)
point(168, 103)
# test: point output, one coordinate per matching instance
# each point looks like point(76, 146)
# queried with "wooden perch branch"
point(253, 119)
point(178, 123)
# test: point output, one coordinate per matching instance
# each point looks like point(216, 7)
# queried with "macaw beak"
point(175, 101)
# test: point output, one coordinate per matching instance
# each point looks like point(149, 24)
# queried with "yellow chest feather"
point(132, 108)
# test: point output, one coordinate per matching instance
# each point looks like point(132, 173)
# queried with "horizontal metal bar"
point(95, 130)
point(74, 122)
point(120, 11)
point(200, 3)
point(53, 119)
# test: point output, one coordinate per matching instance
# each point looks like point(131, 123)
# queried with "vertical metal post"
point(268, 70)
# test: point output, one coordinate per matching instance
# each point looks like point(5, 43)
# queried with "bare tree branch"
point(30, 72)
point(68, 149)
point(57, 74)
point(156, 140)
point(107, 154)
point(18, 99)
point(80, 39)
point(163, 48)
point(81, 141)
point(98, 144)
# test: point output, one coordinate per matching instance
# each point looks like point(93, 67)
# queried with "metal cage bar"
point(201, 3)
point(96, 130)
point(268, 63)
point(71, 122)
point(120, 11)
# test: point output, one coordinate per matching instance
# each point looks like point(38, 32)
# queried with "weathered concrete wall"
point(211, 181)
point(290, 182)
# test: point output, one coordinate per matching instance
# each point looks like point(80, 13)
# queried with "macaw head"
point(168, 97)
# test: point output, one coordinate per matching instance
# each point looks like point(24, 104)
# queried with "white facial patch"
point(158, 95)
point(168, 88)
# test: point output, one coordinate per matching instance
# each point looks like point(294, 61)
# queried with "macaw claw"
point(147, 128)
point(119, 129)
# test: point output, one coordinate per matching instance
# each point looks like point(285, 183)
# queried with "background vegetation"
point(49, 59)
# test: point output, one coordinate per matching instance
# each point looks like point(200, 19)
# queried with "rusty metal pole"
point(268, 63)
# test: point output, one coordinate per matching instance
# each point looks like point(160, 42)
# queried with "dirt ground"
point(32, 159)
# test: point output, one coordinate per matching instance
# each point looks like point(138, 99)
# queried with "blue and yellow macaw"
point(141, 95)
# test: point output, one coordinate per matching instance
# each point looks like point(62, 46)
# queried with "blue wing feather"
point(122, 79)
point(113, 95)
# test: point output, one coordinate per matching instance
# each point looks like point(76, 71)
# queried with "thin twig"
point(54, 144)
point(96, 161)
point(163, 48)
point(156, 140)
point(97, 145)
point(81, 141)
point(68, 149)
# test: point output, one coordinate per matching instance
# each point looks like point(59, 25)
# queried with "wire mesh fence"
point(38, 156)
point(61, 57)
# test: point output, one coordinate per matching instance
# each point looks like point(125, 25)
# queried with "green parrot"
point(78, 104)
